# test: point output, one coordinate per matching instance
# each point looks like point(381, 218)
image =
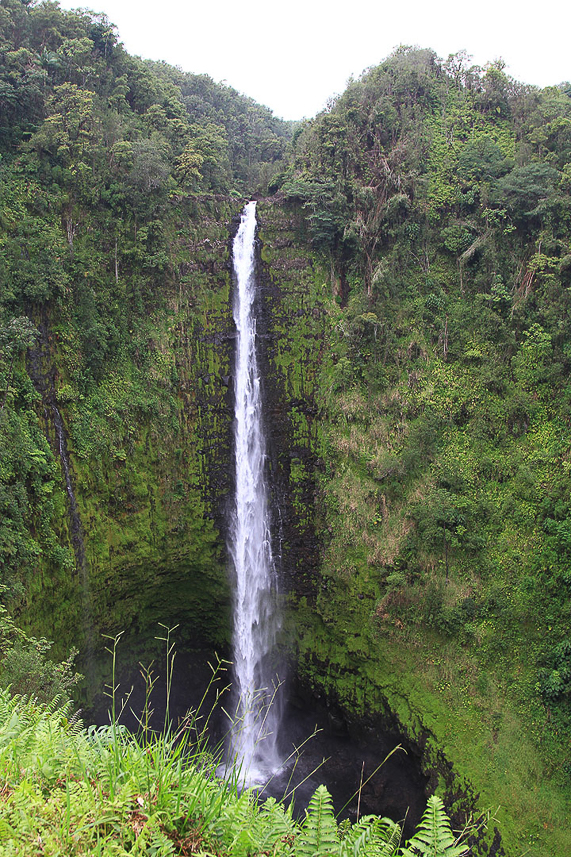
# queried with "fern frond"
point(319, 835)
point(434, 838)
point(371, 836)
point(236, 825)
point(275, 825)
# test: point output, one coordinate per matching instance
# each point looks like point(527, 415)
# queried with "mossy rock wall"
point(373, 628)
point(292, 325)
point(148, 450)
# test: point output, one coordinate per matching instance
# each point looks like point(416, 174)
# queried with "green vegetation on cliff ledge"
point(439, 196)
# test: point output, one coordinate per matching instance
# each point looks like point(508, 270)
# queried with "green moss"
point(433, 470)
point(143, 442)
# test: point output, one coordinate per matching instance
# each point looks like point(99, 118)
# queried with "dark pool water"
point(322, 747)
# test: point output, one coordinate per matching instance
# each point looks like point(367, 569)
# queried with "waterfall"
point(253, 748)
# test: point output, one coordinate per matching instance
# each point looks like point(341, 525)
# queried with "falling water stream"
point(253, 748)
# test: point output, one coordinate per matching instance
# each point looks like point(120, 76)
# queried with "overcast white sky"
point(293, 55)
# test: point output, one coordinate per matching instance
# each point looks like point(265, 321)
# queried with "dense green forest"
point(440, 196)
point(416, 261)
point(118, 179)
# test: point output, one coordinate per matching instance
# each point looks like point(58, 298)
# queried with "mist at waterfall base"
point(352, 749)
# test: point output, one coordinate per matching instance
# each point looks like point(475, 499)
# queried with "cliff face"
point(415, 613)
point(293, 324)
point(143, 457)
point(144, 464)
point(149, 455)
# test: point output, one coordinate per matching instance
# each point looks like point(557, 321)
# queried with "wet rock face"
point(291, 327)
point(370, 768)
point(42, 372)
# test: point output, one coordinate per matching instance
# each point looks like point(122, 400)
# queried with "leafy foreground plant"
point(25, 665)
point(68, 790)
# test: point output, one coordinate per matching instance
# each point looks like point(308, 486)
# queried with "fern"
point(371, 836)
point(319, 833)
point(434, 838)
point(236, 824)
point(277, 827)
point(109, 775)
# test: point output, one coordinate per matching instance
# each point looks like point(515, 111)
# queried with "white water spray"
point(253, 747)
